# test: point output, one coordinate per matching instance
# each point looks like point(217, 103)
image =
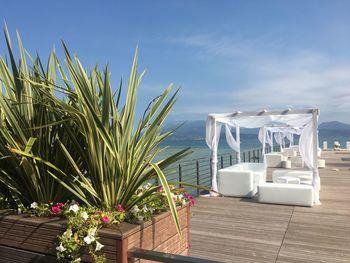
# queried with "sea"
point(248, 142)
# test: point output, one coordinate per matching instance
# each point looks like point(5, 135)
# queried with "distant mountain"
point(334, 125)
point(195, 130)
point(334, 128)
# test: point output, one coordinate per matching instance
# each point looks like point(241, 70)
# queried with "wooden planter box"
point(30, 239)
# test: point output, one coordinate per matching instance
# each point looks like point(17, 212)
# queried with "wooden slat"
point(241, 230)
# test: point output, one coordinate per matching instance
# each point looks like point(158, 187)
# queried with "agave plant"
point(116, 153)
point(30, 123)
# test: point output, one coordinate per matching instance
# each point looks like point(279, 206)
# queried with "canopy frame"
point(216, 121)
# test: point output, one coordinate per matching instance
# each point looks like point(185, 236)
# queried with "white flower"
point(34, 205)
point(89, 239)
point(60, 248)
point(99, 246)
point(68, 233)
point(147, 186)
point(145, 209)
point(92, 231)
point(184, 201)
point(135, 209)
point(84, 215)
point(151, 209)
point(74, 208)
point(140, 218)
point(19, 211)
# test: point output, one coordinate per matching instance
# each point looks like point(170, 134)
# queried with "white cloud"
point(273, 77)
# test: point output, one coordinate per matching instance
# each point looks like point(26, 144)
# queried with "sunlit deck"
point(241, 230)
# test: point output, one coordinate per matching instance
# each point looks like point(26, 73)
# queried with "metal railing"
point(198, 171)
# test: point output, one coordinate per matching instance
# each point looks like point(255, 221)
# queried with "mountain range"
point(195, 130)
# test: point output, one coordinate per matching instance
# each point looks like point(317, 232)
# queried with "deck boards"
point(240, 230)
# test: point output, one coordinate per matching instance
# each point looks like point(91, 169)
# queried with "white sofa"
point(286, 194)
point(241, 180)
point(275, 159)
point(302, 175)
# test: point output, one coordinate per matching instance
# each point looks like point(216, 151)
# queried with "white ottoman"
point(286, 194)
point(286, 164)
point(288, 180)
point(321, 163)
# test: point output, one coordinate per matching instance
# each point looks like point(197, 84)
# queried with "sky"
point(224, 55)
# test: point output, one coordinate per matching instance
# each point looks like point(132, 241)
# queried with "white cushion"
point(302, 175)
point(286, 194)
point(288, 180)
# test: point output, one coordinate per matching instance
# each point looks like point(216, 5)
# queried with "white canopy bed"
point(303, 120)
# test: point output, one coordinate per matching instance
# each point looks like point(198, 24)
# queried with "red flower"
point(56, 210)
point(60, 204)
point(105, 219)
point(120, 208)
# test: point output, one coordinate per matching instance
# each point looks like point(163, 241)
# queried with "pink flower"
point(160, 189)
point(105, 219)
point(55, 210)
point(189, 198)
point(120, 208)
point(60, 204)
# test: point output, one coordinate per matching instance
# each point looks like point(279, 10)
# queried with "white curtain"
point(212, 139)
point(230, 139)
point(306, 149)
point(290, 137)
point(279, 139)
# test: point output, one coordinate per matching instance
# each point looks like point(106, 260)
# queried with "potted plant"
point(83, 144)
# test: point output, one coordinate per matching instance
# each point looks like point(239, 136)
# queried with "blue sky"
point(225, 55)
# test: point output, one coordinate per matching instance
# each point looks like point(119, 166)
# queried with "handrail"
point(165, 257)
point(198, 171)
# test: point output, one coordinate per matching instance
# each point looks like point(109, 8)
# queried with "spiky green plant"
point(30, 122)
point(116, 153)
point(119, 154)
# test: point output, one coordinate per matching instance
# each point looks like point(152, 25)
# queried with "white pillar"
point(238, 140)
point(316, 182)
point(214, 162)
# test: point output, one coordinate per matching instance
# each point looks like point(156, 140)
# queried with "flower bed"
point(24, 238)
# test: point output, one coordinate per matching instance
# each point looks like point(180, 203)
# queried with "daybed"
point(241, 180)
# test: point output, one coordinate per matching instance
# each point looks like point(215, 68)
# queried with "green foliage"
point(30, 121)
point(86, 143)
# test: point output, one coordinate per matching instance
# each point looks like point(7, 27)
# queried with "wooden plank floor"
point(241, 230)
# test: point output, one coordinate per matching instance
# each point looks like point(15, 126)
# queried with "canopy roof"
point(304, 120)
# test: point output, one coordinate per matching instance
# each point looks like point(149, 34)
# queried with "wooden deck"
point(241, 230)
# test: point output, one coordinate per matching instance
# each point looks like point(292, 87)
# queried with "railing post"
point(230, 159)
point(197, 173)
point(248, 156)
point(254, 157)
point(222, 161)
point(244, 157)
point(180, 176)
